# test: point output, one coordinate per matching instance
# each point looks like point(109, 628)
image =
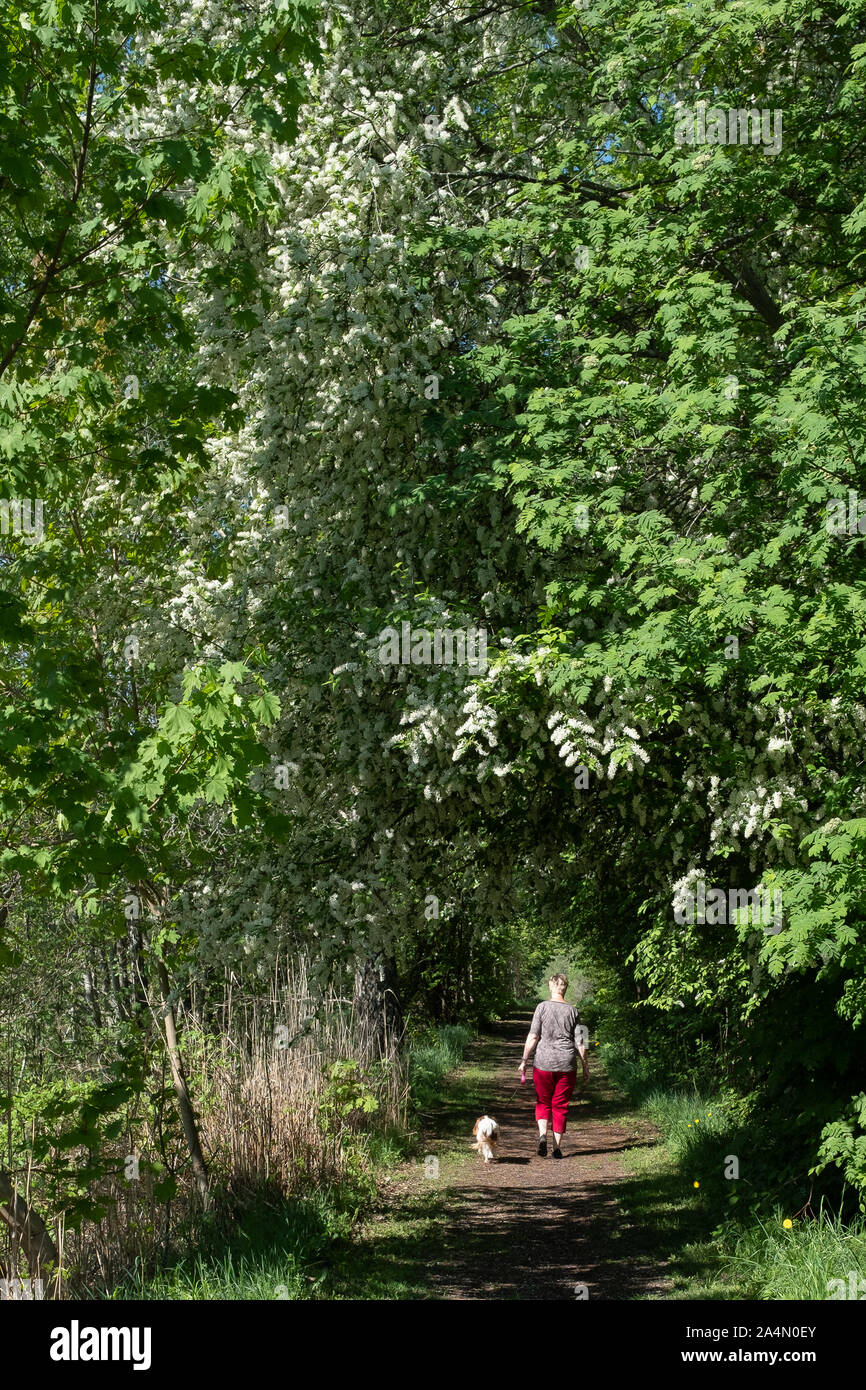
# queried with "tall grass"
point(275, 1125)
point(279, 1252)
point(636, 1076)
point(432, 1056)
point(279, 1244)
point(805, 1261)
point(264, 1077)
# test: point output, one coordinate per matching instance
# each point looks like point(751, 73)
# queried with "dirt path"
point(537, 1228)
point(523, 1227)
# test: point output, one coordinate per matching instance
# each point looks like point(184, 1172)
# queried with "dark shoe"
point(542, 1146)
point(557, 1153)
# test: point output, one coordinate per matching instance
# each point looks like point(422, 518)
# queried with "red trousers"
point(553, 1089)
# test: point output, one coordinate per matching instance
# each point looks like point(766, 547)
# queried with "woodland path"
point(522, 1227)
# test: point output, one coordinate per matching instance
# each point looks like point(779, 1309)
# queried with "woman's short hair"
point(561, 982)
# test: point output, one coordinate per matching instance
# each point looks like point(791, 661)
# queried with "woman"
point(558, 1034)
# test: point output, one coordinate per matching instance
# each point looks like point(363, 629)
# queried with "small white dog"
point(486, 1133)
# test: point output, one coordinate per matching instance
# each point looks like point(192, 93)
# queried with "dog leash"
point(521, 1082)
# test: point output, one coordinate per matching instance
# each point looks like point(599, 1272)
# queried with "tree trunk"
point(181, 1089)
point(378, 1013)
point(136, 975)
point(109, 1002)
point(109, 961)
point(27, 1227)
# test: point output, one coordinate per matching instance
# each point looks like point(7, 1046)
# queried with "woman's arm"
point(528, 1048)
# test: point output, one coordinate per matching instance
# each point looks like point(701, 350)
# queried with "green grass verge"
point(715, 1230)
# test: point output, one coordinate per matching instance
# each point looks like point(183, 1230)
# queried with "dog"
point(486, 1133)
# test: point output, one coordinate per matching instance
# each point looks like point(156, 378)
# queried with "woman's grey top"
point(556, 1026)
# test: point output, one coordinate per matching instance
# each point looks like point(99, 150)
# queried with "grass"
point(804, 1261)
point(304, 1247)
point(432, 1057)
point(722, 1236)
point(272, 1252)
